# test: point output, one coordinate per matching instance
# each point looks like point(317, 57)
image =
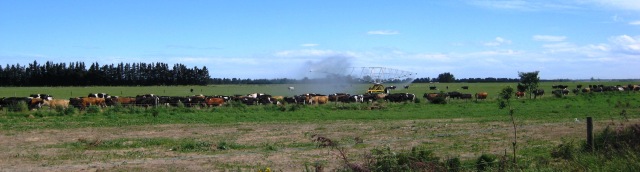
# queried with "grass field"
point(247, 138)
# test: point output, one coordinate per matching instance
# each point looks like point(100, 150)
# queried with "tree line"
point(121, 74)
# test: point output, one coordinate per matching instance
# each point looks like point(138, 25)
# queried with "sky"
point(565, 39)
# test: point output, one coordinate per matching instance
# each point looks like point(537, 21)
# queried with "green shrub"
point(93, 109)
point(453, 164)
point(485, 162)
point(418, 158)
point(610, 140)
point(564, 151)
point(19, 107)
point(70, 111)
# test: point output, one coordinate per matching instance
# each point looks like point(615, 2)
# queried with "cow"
point(317, 99)
point(557, 93)
point(466, 96)
point(277, 99)
point(454, 94)
point(431, 96)
point(174, 101)
point(291, 88)
point(538, 92)
point(400, 97)
point(265, 99)
point(196, 100)
point(368, 97)
point(42, 96)
point(339, 97)
point(576, 91)
point(520, 94)
point(248, 100)
point(290, 100)
point(147, 100)
point(481, 95)
point(433, 88)
point(586, 90)
point(99, 95)
point(31, 103)
point(356, 98)
point(83, 102)
point(124, 101)
point(214, 101)
point(393, 87)
point(406, 87)
point(465, 87)
point(579, 86)
point(56, 103)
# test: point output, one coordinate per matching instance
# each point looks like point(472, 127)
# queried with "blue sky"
point(278, 39)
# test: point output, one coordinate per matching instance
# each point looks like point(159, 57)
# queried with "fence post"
point(590, 145)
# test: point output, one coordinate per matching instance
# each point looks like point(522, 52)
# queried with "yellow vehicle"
point(376, 88)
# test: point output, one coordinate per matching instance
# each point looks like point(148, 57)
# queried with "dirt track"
point(40, 150)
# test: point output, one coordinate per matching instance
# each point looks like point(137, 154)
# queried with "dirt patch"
point(280, 146)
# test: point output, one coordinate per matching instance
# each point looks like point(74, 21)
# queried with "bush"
point(485, 162)
point(453, 164)
point(439, 100)
point(418, 158)
point(93, 109)
point(564, 151)
point(19, 107)
point(610, 140)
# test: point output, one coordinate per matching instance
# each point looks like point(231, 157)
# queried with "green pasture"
point(274, 89)
point(603, 107)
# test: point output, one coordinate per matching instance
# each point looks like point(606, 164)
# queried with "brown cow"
point(214, 101)
point(125, 100)
point(481, 95)
point(320, 99)
point(36, 103)
point(430, 96)
point(88, 101)
point(55, 103)
point(520, 94)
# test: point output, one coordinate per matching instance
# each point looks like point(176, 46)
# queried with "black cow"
point(400, 97)
point(538, 92)
point(147, 100)
point(42, 96)
point(432, 88)
point(290, 100)
point(99, 95)
point(466, 96)
point(406, 87)
point(454, 95)
point(465, 87)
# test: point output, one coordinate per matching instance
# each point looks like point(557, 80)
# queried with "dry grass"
point(281, 146)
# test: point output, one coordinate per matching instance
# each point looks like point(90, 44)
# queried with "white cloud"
point(497, 42)
point(434, 57)
point(523, 5)
point(617, 4)
point(383, 32)
point(617, 18)
point(309, 45)
point(549, 38)
point(626, 44)
point(635, 23)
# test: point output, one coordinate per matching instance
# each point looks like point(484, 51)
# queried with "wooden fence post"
point(590, 145)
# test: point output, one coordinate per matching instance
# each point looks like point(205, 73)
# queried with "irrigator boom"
point(375, 75)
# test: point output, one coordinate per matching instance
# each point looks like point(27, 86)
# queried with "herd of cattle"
point(35, 101)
